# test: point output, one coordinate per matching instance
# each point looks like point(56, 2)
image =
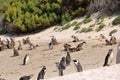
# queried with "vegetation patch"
point(41, 14)
point(101, 26)
point(116, 21)
point(77, 26)
point(112, 32)
point(67, 26)
point(85, 30)
point(87, 20)
point(74, 23)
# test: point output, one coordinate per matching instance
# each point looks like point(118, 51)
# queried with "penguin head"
point(44, 67)
point(110, 50)
point(75, 61)
point(63, 58)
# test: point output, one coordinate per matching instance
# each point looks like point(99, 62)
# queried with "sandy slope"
point(11, 68)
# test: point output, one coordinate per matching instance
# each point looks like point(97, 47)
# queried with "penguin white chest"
point(110, 58)
point(27, 59)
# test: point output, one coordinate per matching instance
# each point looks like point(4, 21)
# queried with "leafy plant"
point(86, 30)
point(101, 26)
point(74, 23)
point(87, 20)
point(116, 21)
point(112, 32)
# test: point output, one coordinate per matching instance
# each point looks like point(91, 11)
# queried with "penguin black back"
point(68, 58)
point(107, 57)
point(25, 60)
point(63, 63)
point(42, 73)
point(26, 77)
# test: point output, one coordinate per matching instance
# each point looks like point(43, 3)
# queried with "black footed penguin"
point(78, 65)
point(26, 59)
point(79, 46)
point(63, 63)
point(50, 44)
point(26, 77)
point(20, 46)
point(68, 58)
point(108, 58)
point(62, 66)
point(42, 73)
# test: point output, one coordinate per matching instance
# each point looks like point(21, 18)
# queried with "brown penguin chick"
point(113, 40)
point(31, 46)
point(107, 42)
point(3, 46)
point(26, 41)
point(12, 43)
point(16, 53)
point(20, 46)
point(75, 38)
point(67, 47)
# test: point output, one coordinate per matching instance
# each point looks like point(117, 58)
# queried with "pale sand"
point(12, 69)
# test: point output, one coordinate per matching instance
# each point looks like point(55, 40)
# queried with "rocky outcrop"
point(104, 6)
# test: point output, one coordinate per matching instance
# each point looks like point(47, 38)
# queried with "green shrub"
point(92, 25)
point(87, 20)
point(101, 26)
point(86, 30)
point(74, 23)
point(116, 21)
point(112, 32)
point(76, 27)
point(66, 26)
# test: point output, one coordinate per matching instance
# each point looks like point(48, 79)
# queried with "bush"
point(86, 30)
point(66, 26)
point(112, 32)
point(74, 23)
point(87, 20)
point(101, 26)
point(76, 27)
point(116, 21)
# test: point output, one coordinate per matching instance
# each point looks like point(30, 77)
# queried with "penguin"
point(113, 40)
point(75, 38)
point(12, 42)
point(63, 63)
point(31, 46)
point(16, 53)
point(26, 59)
point(68, 59)
point(50, 44)
point(78, 65)
point(20, 46)
point(26, 77)
point(67, 46)
point(79, 46)
point(8, 44)
point(108, 58)
point(42, 73)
